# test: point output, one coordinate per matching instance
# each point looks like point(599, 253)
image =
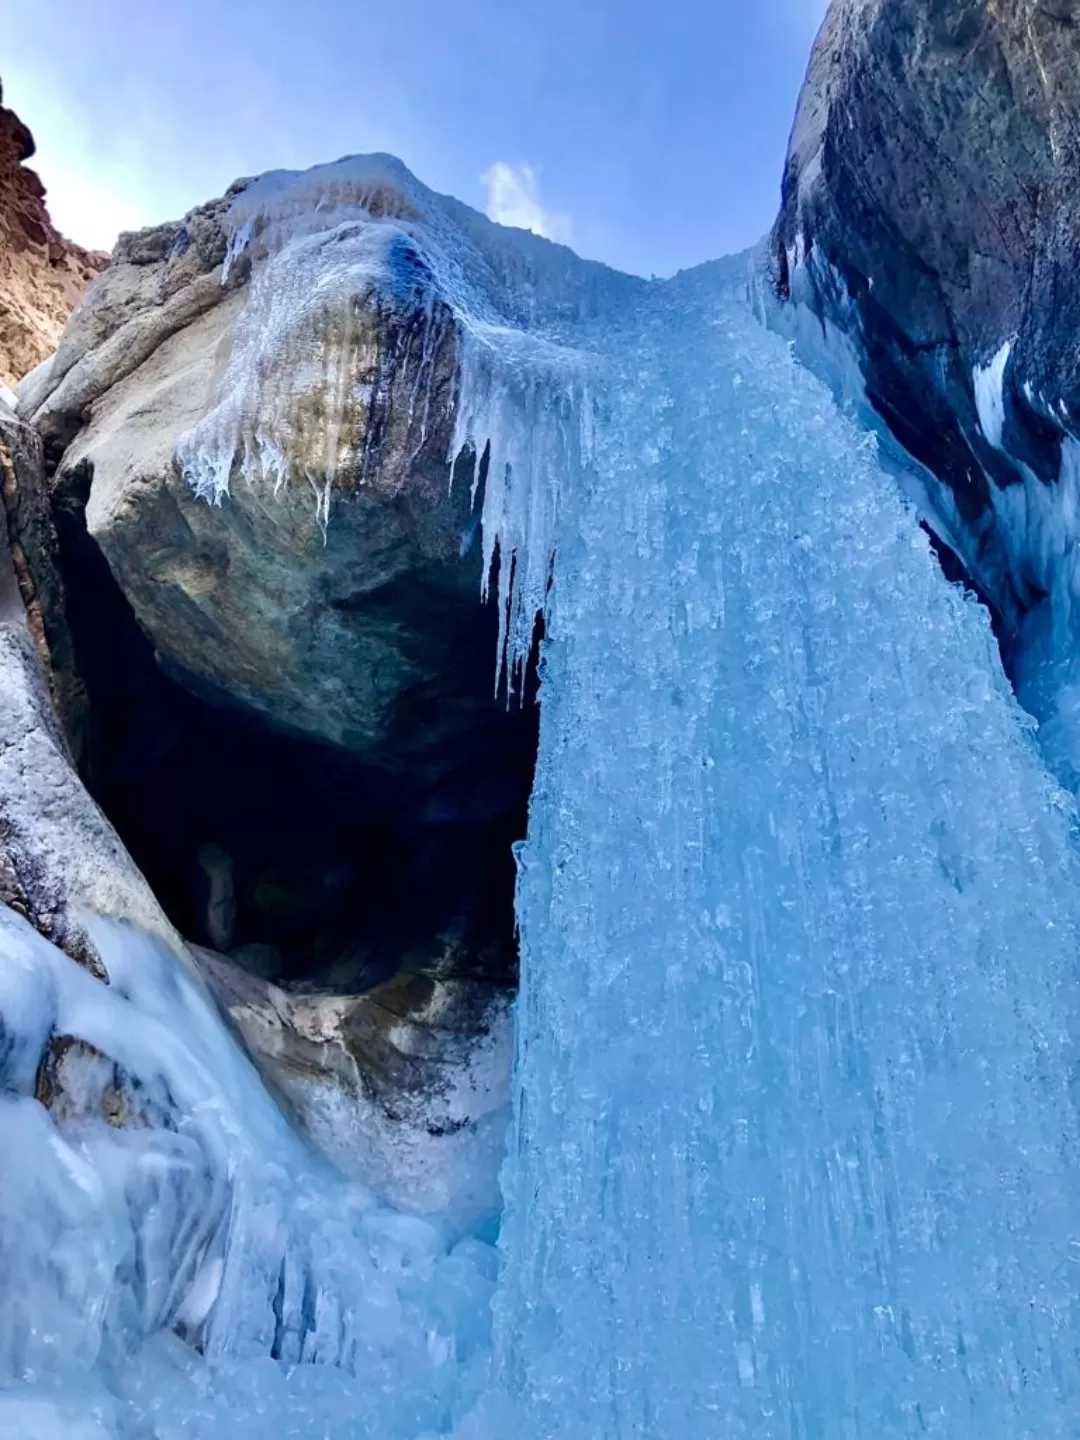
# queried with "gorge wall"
point(42, 275)
point(928, 225)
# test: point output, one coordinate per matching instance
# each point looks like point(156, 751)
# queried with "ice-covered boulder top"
point(491, 271)
point(162, 279)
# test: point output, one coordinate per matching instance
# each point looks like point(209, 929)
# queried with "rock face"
point(36, 565)
point(930, 214)
point(405, 1088)
point(42, 275)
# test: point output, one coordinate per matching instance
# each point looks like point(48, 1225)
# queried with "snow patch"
point(988, 382)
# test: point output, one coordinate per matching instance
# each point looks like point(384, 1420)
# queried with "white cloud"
point(514, 199)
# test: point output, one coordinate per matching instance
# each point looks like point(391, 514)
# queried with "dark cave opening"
point(312, 867)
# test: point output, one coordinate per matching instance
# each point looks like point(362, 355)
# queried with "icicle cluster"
point(528, 404)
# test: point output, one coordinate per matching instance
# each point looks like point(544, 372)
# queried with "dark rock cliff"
point(930, 218)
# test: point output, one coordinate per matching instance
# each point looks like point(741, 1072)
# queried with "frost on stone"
point(343, 257)
point(304, 370)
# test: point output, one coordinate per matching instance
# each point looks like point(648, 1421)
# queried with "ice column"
point(795, 1153)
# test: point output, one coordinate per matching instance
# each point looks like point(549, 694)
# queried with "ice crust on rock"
point(440, 1149)
point(988, 383)
point(332, 245)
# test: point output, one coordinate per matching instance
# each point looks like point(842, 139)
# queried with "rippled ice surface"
point(796, 1145)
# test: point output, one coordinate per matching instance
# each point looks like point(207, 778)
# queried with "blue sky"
point(647, 134)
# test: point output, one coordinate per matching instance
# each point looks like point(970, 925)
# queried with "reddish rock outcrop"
point(42, 275)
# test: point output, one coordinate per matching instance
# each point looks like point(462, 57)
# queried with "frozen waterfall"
point(796, 1145)
point(795, 1148)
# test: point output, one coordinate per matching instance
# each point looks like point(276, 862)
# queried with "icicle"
point(528, 401)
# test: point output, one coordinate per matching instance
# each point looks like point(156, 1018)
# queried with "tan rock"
point(338, 604)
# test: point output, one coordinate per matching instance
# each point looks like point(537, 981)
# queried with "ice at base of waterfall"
point(190, 1270)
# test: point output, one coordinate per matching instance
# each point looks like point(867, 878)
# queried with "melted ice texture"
point(795, 1145)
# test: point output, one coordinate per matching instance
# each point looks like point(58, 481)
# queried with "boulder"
point(261, 409)
point(270, 573)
